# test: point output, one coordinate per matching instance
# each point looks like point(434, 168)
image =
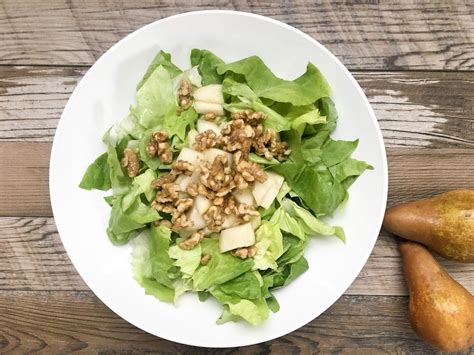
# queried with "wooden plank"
point(61, 322)
point(413, 174)
point(414, 109)
point(24, 179)
point(32, 258)
point(363, 34)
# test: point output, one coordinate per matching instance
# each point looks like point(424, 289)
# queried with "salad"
point(219, 177)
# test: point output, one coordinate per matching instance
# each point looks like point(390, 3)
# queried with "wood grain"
point(61, 322)
point(363, 34)
point(32, 258)
point(414, 109)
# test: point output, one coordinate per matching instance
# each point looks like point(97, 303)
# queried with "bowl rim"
point(384, 167)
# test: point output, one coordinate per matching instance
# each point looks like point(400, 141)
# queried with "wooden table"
point(414, 62)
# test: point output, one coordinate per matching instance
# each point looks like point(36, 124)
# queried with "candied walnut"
point(210, 116)
point(131, 162)
point(245, 253)
point(251, 117)
point(207, 139)
point(183, 204)
point(183, 167)
point(245, 212)
point(214, 218)
point(185, 94)
point(164, 179)
point(205, 259)
point(192, 241)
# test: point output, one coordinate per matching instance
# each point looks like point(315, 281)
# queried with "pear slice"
point(211, 154)
point(203, 126)
point(265, 192)
point(244, 196)
point(209, 93)
point(190, 156)
point(236, 237)
point(206, 107)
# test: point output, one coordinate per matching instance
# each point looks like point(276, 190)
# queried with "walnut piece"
point(205, 259)
point(131, 162)
point(250, 117)
point(214, 218)
point(183, 167)
point(210, 116)
point(185, 94)
point(250, 171)
point(192, 241)
point(183, 204)
point(164, 179)
point(246, 212)
point(207, 139)
point(244, 253)
point(158, 146)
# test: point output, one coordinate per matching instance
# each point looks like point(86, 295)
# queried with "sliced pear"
point(193, 215)
point(190, 156)
point(236, 237)
point(183, 180)
point(209, 93)
point(202, 204)
point(255, 221)
point(244, 196)
point(230, 221)
point(206, 107)
point(211, 154)
point(203, 125)
point(265, 192)
point(192, 137)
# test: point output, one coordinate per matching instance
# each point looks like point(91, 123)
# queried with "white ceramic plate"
point(104, 95)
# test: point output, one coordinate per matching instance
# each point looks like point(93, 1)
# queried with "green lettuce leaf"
point(187, 260)
point(253, 311)
point(97, 175)
point(221, 268)
point(161, 263)
point(269, 244)
point(334, 152)
point(119, 180)
point(142, 269)
point(304, 90)
point(161, 59)
point(299, 222)
point(207, 63)
point(245, 286)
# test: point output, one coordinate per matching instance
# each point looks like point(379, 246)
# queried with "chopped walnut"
point(205, 259)
point(183, 204)
point(235, 137)
point(244, 253)
point(250, 171)
point(210, 116)
point(180, 221)
point(250, 117)
point(246, 212)
point(164, 223)
point(131, 162)
point(192, 241)
point(214, 218)
point(267, 145)
point(217, 176)
point(192, 189)
point(165, 207)
point(229, 205)
point(207, 139)
point(168, 193)
point(240, 182)
point(183, 167)
point(185, 95)
point(160, 147)
point(164, 179)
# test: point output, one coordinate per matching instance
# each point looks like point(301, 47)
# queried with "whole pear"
point(444, 223)
point(441, 310)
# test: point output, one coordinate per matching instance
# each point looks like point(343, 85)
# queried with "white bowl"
point(104, 95)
